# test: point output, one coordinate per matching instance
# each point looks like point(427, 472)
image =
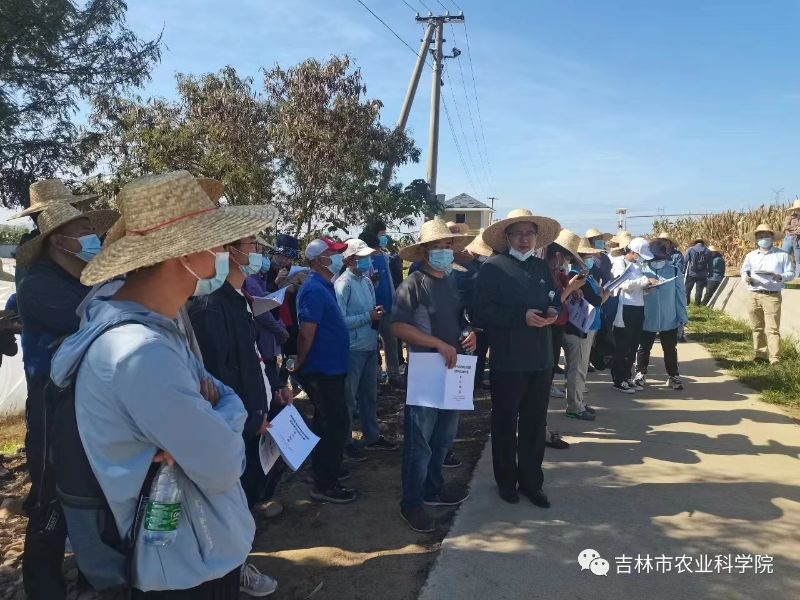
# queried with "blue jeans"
point(792, 245)
point(429, 433)
point(361, 391)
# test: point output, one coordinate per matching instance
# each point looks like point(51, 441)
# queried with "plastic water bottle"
point(163, 508)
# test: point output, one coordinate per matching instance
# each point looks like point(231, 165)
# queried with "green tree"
point(216, 128)
point(52, 56)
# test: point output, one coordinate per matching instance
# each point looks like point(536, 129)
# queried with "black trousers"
point(699, 284)
point(557, 337)
point(224, 588)
point(669, 344)
point(519, 416)
point(713, 284)
point(46, 532)
point(626, 342)
point(331, 423)
point(481, 351)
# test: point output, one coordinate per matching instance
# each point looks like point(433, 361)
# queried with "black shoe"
point(417, 519)
point(451, 461)
point(448, 497)
point(553, 440)
point(354, 453)
point(335, 495)
point(510, 496)
point(589, 409)
point(539, 498)
point(381, 444)
point(558, 370)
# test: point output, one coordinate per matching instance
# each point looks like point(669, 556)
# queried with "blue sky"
point(587, 105)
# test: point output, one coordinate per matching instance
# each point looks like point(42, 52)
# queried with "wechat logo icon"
point(591, 560)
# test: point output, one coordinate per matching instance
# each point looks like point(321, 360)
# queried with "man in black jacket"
point(226, 333)
point(517, 302)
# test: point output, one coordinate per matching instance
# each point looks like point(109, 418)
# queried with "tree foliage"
point(53, 55)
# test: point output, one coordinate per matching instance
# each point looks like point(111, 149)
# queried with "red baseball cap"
point(316, 247)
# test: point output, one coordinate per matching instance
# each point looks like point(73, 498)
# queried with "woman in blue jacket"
point(664, 313)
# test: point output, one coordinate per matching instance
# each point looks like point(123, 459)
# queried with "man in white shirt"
point(765, 270)
point(630, 313)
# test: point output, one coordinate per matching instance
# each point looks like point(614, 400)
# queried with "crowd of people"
point(141, 327)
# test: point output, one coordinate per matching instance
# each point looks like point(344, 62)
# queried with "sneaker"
point(381, 444)
point(553, 440)
point(254, 583)
point(556, 393)
point(640, 380)
point(417, 519)
point(583, 416)
point(675, 382)
point(354, 453)
point(335, 495)
point(637, 387)
point(451, 461)
point(448, 497)
point(624, 388)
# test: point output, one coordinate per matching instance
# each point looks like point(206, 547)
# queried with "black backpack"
point(104, 556)
point(701, 264)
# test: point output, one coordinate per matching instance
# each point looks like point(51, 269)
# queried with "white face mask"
point(522, 256)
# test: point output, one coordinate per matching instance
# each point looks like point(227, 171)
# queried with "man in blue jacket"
point(698, 267)
point(717, 273)
point(141, 394)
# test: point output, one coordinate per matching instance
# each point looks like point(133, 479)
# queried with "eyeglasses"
point(522, 234)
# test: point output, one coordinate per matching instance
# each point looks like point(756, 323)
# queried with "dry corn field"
point(727, 230)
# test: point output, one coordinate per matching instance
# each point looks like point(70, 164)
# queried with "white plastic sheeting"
point(13, 390)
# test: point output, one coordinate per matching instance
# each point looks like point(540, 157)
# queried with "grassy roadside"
point(731, 344)
point(12, 435)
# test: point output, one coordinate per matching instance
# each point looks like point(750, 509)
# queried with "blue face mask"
point(599, 245)
point(440, 259)
point(764, 243)
point(383, 240)
point(253, 266)
point(589, 262)
point(336, 263)
point(657, 264)
point(363, 264)
point(90, 247)
point(208, 286)
point(265, 264)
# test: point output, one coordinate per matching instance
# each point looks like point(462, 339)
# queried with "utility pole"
point(434, 31)
point(492, 199)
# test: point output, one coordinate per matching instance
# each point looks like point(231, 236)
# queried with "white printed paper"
point(262, 304)
point(618, 281)
point(294, 270)
point(432, 384)
point(292, 438)
point(661, 282)
point(581, 314)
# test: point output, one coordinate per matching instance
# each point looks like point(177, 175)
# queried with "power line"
point(469, 110)
point(409, 6)
point(477, 103)
point(456, 5)
point(428, 8)
point(463, 133)
point(385, 24)
point(458, 147)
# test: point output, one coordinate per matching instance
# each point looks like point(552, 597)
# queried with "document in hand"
point(294, 270)
point(661, 282)
point(581, 314)
point(432, 384)
point(262, 304)
point(289, 437)
point(618, 281)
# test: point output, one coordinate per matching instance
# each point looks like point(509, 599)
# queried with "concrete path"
point(704, 472)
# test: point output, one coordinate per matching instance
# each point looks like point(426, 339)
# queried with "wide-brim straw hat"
point(479, 247)
point(795, 207)
point(433, 231)
point(461, 228)
point(5, 276)
point(596, 233)
point(762, 228)
point(47, 191)
point(664, 236)
point(167, 216)
point(56, 215)
point(713, 248)
point(622, 239)
point(547, 229)
point(213, 188)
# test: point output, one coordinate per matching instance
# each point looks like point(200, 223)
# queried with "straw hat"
point(54, 216)
point(479, 247)
point(45, 192)
point(167, 216)
point(433, 231)
point(569, 241)
point(622, 239)
point(5, 276)
point(713, 248)
point(461, 228)
point(596, 233)
point(795, 207)
point(761, 229)
point(213, 188)
point(495, 234)
point(664, 236)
